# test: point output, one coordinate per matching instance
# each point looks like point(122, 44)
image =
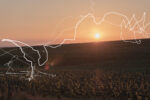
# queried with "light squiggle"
point(136, 28)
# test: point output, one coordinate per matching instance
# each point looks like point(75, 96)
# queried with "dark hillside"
point(89, 53)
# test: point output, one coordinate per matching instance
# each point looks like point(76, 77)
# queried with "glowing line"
point(14, 55)
point(7, 52)
point(126, 23)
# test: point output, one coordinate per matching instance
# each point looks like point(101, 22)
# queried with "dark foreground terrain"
point(92, 71)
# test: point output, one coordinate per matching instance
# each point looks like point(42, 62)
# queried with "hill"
point(114, 53)
point(90, 71)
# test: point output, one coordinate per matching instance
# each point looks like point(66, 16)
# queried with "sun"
point(97, 35)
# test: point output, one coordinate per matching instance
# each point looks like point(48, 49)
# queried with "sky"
point(51, 21)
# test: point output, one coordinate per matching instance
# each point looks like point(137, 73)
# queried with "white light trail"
point(124, 24)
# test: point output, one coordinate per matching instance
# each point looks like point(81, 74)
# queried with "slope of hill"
point(102, 53)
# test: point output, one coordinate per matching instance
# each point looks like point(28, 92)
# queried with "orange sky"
point(41, 21)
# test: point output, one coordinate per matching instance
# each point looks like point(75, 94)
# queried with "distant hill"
point(115, 53)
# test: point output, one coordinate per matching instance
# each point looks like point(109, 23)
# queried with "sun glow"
point(97, 35)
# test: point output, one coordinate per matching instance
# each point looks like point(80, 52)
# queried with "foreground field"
point(106, 83)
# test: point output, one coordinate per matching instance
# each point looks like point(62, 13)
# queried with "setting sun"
point(97, 35)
